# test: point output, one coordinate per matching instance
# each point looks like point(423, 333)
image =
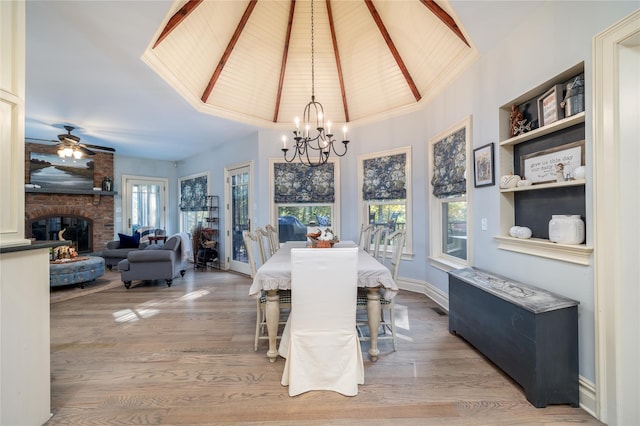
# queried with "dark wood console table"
point(528, 332)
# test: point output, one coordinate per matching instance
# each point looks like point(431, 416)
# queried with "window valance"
point(449, 165)
point(193, 194)
point(384, 178)
point(297, 183)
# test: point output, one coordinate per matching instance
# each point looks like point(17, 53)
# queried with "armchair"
point(156, 262)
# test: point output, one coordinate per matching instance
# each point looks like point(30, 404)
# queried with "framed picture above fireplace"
point(49, 171)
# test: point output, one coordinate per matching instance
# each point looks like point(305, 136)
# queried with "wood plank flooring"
point(154, 355)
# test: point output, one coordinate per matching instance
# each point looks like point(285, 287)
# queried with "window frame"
point(437, 256)
point(363, 216)
point(183, 214)
point(273, 206)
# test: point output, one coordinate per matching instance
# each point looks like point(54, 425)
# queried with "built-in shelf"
point(574, 182)
point(520, 199)
point(545, 130)
point(69, 191)
point(572, 253)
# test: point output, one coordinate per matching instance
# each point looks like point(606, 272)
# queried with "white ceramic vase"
point(509, 181)
point(579, 172)
point(566, 229)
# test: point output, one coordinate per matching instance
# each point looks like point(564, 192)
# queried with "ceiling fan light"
point(68, 152)
point(61, 152)
point(77, 154)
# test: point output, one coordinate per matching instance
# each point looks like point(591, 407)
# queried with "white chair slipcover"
point(320, 342)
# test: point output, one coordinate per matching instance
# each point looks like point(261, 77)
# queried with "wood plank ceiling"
point(250, 60)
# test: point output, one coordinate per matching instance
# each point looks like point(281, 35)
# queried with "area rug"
point(109, 280)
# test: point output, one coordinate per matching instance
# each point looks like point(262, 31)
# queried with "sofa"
point(157, 262)
point(118, 250)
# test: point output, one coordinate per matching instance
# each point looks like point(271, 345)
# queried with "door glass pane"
point(454, 232)
point(145, 205)
point(240, 214)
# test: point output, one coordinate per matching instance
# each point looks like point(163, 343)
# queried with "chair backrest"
point(396, 240)
point(263, 238)
point(375, 236)
point(250, 241)
point(364, 242)
point(324, 286)
point(274, 239)
point(382, 244)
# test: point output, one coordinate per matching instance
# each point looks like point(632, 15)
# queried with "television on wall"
point(49, 171)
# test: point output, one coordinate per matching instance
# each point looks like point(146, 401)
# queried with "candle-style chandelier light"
point(313, 151)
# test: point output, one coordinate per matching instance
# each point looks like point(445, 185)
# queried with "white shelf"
point(572, 253)
point(545, 130)
point(575, 182)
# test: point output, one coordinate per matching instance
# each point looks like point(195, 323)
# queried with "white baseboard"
point(587, 389)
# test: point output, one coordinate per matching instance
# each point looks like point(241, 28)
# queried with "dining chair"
point(252, 243)
point(396, 241)
point(377, 235)
point(364, 242)
point(264, 244)
point(274, 239)
point(323, 350)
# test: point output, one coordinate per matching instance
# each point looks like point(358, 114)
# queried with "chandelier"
point(313, 150)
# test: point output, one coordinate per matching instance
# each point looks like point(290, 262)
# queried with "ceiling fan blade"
point(36, 140)
point(85, 150)
point(100, 148)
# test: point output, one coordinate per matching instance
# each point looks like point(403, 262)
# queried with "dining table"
point(275, 275)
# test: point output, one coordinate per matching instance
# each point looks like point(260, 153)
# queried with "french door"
point(144, 202)
point(239, 202)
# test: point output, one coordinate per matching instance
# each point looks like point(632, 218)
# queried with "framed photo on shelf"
point(483, 174)
point(549, 109)
point(544, 166)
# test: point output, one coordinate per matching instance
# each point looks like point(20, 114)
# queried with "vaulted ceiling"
point(84, 65)
point(251, 60)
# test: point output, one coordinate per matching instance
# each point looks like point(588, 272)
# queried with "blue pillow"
point(129, 241)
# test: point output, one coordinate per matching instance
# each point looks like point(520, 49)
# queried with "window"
point(304, 198)
point(193, 201)
point(449, 160)
point(385, 179)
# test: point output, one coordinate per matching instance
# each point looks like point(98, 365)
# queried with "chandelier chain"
point(313, 77)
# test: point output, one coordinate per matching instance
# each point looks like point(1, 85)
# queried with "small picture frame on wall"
point(549, 109)
point(483, 172)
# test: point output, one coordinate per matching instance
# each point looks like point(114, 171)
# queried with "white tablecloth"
point(276, 272)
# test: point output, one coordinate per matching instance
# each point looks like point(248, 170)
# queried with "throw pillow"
point(129, 241)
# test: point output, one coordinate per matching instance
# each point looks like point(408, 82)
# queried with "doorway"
point(239, 211)
point(143, 202)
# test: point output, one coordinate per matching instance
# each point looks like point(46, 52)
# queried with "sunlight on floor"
point(152, 307)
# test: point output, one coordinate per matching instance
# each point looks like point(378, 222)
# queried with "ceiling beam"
point(394, 51)
point(228, 50)
point(338, 62)
point(444, 17)
point(176, 19)
point(283, 67)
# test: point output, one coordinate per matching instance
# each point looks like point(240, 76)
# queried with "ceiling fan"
point(69, 145)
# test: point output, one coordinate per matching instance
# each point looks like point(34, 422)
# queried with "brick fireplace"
point(94, 212)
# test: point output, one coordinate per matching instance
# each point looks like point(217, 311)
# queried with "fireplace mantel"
point(70, 191)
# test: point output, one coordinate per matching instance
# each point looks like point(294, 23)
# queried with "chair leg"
point(258, 317)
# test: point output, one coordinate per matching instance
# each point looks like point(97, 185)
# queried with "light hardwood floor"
point(184, 356)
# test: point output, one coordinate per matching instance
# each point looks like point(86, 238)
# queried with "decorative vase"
point(580, 172)
point(566, 229)
point(107, 184)
point(324, 244)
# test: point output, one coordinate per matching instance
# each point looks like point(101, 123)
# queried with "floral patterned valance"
point(193, 194)
point(385, 178)
point(297, 183)
point(449, 165)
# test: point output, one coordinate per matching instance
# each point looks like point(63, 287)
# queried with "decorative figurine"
point(560, 173)
point(516, 118)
